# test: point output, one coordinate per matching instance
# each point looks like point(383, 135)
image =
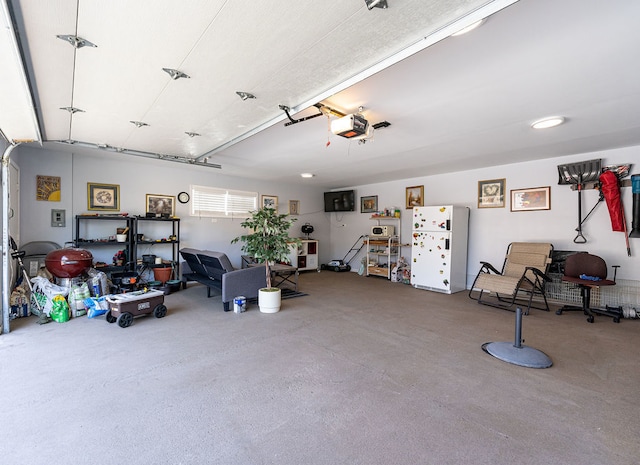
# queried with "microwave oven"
point(382, 231)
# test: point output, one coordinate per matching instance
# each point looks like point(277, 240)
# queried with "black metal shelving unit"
point(85, 238)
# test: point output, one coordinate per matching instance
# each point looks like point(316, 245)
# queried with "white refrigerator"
point(439, 248)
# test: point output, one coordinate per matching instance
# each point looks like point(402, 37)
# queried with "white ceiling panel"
point(51, 60)
point(460, 103)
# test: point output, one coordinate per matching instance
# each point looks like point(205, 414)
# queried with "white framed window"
point(222, 203)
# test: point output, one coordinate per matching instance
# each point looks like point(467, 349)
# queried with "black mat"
point(285, 294)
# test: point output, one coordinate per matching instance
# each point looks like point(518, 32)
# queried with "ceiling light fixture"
point(175, 74)
point(549, 122)
point(245, 95)
point(72, 110)
point(77, 42)
point(192, 134)
point(307, 175)
point(139, 124)
point(371, 4)
point(469, 28)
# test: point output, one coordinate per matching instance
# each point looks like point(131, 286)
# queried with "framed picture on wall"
point(161, 204)
point(270, 201)
point(48, 188)
point(104, 197)
point(535, 198)
point(369, 204)
point(415, 196)
point(294, 207)
point(491, 193)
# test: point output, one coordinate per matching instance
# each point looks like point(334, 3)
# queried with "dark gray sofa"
point(214, 270)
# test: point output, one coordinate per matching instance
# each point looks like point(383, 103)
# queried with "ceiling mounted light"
point(72, 110)
point(245, 95)
point(77, 42)
point(376, 4)
point(307, 175)
point(139, 124)
point(549, 122)
point(469, 28)
point(175, 74)
point(191, 134)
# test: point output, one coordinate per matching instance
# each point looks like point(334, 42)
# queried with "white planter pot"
point(269, 299)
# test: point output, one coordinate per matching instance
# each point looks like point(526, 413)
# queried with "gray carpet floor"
point(360, 371)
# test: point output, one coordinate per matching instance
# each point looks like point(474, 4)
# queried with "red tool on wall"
point(610, 188)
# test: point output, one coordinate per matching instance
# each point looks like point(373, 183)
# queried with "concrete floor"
point(360, 371)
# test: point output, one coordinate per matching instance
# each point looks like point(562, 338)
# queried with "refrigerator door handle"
point(448, 225)
point(446, 244)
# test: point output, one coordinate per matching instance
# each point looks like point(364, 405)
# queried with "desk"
point(285, 273)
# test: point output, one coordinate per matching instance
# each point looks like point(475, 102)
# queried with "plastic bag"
point(59, 309)
point(98, 282)
point(96, 306)
point(77, 296)
point(44, 291)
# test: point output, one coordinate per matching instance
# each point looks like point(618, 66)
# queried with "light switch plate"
point(58, 218)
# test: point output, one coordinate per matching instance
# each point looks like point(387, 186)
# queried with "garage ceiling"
point(454, 103)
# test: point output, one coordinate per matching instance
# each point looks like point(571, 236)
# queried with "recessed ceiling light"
point(549, 122)
point(469, 28)
point(307, 175)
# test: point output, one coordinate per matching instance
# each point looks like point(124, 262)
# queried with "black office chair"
point(588, 271)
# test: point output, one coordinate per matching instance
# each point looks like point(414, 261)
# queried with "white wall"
point(138, 177)
point(492, 229)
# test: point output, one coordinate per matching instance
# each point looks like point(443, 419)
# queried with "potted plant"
point(268, 243)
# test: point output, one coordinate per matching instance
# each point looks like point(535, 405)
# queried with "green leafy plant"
point(269, 241)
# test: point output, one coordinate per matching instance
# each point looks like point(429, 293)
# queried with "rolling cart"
point(124, 307)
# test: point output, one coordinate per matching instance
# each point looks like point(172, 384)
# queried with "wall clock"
point(183, 197)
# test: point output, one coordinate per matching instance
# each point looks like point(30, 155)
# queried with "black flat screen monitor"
point(339, 201)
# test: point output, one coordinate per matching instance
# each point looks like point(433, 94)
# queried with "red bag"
point(611, 191)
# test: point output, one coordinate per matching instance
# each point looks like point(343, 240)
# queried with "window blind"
point(222, 203)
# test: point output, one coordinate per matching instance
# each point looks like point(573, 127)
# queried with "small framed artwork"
point(48, 188)
point(294, 207)
point(491, 193)
point(415, 196)
point(535, 198)
point(369, 204)
point(270, 201)
point(163, 205)
point(104, 197)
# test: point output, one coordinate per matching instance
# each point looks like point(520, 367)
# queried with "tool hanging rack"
point(588, 175)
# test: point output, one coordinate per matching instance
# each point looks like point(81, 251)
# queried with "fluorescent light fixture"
point(549, 122)
point(469, 28)
point(307, 175)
